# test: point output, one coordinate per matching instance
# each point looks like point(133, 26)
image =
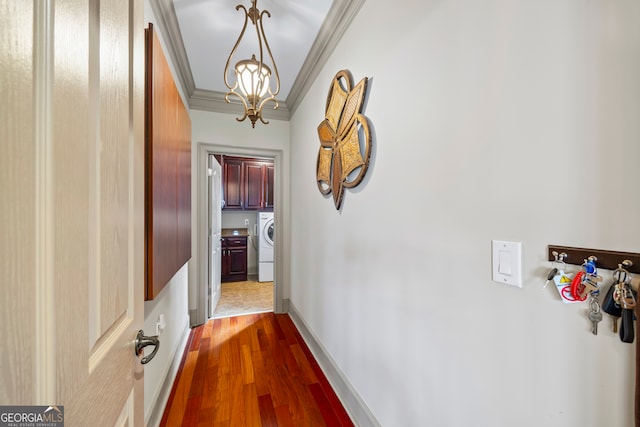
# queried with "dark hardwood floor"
point(252, 370)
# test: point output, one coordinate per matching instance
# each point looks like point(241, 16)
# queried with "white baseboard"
point(285, 306)
point(351, 400)
point(160, 401)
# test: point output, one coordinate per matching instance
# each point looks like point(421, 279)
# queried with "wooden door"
point(71, 219)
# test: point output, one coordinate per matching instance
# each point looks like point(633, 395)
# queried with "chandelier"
point(253, 77)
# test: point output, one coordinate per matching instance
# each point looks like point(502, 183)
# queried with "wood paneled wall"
point(168, 172)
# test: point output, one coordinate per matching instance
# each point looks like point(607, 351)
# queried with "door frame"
point(213, 295)
point(198, 274)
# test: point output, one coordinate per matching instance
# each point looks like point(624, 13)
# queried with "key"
point(550, 276)
point(615, 324)
point(595, 317)
point(589, 288)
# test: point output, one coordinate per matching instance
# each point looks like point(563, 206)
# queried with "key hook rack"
point(608, 260)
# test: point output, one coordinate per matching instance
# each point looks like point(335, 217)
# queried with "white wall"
point(159, 373)
point(513, 120)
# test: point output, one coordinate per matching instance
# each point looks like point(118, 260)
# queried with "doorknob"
point(143, 341)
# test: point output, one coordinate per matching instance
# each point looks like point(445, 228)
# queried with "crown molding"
point(169, 27)
point(214, 101)
point(338, 19)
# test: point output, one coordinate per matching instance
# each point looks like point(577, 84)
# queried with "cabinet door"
point(238, 263)
point(224, 261)
point(234, 259)
point(254, 173)
point(232, 187)
point(225, 266)
point(268, 191)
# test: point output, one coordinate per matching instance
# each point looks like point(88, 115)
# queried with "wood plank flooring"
point(252, 370)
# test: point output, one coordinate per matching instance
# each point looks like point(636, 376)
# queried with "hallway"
point(252, 370)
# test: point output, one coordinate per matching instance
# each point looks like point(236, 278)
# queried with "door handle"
point(143, 341)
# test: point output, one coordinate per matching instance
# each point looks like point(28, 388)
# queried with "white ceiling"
point(199, 35)
point(210, 28)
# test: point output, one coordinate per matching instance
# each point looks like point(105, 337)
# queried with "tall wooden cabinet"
point(247, 184)
point(167, 172)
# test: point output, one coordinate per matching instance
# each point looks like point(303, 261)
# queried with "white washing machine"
point(265, 246)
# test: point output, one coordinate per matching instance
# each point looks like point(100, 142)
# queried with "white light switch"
point(507, 262)
point(504, 262)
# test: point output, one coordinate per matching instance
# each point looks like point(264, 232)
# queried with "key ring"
point(567, 295)
point(575, 283)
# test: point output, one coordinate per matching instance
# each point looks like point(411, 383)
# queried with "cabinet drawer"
point(235, 242)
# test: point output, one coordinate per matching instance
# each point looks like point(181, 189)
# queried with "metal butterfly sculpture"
point(345, 140)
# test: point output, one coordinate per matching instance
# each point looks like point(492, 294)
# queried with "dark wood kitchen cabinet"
point(232, 192)
point(268, 204)
point(247, 184)
point(234, 259)
point(255, 182)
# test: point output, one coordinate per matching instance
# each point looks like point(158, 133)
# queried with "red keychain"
point(577, 287)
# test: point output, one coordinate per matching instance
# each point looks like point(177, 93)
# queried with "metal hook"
point(559, 257)
point(621, 274)
point(559, 260)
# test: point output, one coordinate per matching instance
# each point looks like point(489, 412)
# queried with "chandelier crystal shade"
point(253, 78)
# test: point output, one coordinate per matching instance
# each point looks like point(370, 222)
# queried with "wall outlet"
point(246, 222)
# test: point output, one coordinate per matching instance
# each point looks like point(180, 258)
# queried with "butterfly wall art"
point(345, 138)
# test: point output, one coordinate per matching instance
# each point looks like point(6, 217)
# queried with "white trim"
point(44, 295)
point(198, 275)
point(333, 28)
point(168, 25)
point(199, 258)
point(208, 100)
point(351, 400)
point(159, 401)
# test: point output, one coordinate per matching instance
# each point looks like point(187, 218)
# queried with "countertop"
point(235, 232)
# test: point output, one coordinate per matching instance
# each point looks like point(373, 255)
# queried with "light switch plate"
point(507, 262)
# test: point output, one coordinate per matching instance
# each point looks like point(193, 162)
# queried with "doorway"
point(201, 288)
point(240, 210)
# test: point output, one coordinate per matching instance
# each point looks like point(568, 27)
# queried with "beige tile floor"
point(239, 298)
